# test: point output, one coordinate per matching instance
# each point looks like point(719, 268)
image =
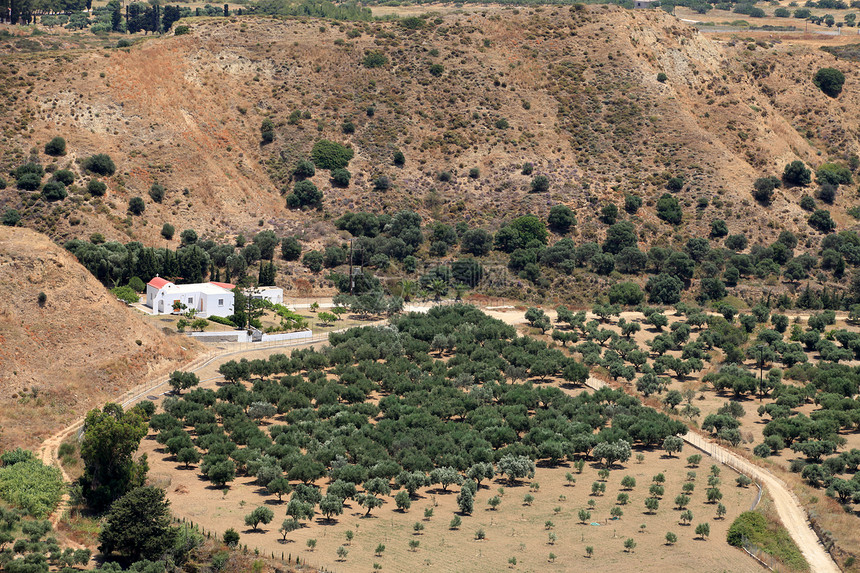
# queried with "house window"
point(220, 302)
point(190, 300)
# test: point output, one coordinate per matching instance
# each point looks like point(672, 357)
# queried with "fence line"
point(729, 460)
point(757, 553)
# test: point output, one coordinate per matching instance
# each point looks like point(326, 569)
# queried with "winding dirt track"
point(787, 505)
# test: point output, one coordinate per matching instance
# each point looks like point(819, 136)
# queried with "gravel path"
point(788, 507)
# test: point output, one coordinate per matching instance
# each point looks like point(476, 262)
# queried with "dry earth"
point(78, 349)
point(571, 85)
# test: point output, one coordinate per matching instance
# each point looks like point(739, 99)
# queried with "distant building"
point(645, 4)
point(274, 295)
point(208, 299)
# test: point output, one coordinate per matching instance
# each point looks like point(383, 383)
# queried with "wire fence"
point(757, 553)
point(286, 558)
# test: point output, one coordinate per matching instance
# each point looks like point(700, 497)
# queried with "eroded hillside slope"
point(78, 348)
point(573, 91)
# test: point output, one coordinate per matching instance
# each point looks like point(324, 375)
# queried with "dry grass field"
point(514, 529)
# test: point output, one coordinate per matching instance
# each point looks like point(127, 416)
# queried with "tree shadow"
point(283, 541)
point(326, 521)
point(548, 464)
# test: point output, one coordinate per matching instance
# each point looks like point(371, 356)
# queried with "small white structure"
point(274, 295)
point(208, 299)
point(645, 4)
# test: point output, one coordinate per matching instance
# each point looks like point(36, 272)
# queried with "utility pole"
point(351, 280)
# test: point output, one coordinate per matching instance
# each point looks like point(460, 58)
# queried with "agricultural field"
point(522, 521)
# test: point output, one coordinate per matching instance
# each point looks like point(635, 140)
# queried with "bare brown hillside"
point(78, 349)
point(573, 91)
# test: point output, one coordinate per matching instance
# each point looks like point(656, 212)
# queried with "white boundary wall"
point(243, 336)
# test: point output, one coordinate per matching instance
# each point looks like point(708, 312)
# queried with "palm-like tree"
point(407, 287)
point(439, 288)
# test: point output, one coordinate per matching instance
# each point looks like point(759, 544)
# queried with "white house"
point(645, 4)
point(274, 295)
point(208, 299)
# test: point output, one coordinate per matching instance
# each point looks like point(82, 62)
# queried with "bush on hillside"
point(330, 155)
point(830, 81)
point(56, 147)
point(100, 163)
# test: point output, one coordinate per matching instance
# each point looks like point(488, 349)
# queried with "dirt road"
point(787, 505)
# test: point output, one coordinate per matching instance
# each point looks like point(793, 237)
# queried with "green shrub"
point(771, 538)
point(156, 192)
point(56, 147)
point(662, 77)
point(313, 260)
point(383, 183)
point(96, 188)
point(137, 284)
point(30, 167)
point(763, 189)
point(28, 182)
point(136, 206)
point(11, 217)
point(412, 23)
point(305, 194)
point(399, 158)
point(632, 203)
point(669, 209)
point(830, 81)
point(179, 31)
point(330, 155)
point(540, 184)
point(126, 294)
point(304, 169)
point(375, 59)
point(54, 191)
point(31, 485)
point(820, 221)
point(833, 174)
point(64, 176)
point(719, 228)
point(437, 70)
point(267, 131)
point(124, 43)
point(675, 184)
point(796, 173)
point(291, 249)
point(340, 177)
point(222, 320)
point(100, 163)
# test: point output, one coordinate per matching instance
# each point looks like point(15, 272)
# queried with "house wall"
point(151, 293)
point(210, 307)
point(273, 295)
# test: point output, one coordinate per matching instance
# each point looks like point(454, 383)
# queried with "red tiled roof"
point(227, 286)
point(158, 282)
